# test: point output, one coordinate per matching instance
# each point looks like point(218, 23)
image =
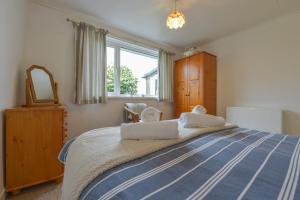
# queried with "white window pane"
point(153, 85)
point(110, 60)
point(138, 74)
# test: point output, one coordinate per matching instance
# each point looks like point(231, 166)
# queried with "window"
point(110, 60)
point(131, 69)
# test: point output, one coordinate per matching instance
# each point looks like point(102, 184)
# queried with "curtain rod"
point(135, 42)
point(70, 20)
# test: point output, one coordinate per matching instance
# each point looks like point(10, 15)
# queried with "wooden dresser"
point(195, 82)
point(34, 138)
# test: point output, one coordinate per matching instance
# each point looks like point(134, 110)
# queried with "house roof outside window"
point(150, 74)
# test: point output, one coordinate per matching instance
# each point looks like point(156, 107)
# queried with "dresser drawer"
point(34, 137)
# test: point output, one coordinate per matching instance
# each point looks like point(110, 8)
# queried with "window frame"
point(119, 44)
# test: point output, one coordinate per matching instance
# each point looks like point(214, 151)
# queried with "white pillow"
point(199, 109)
point(194, 120)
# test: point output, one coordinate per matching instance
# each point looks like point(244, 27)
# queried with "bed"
point(209, 163)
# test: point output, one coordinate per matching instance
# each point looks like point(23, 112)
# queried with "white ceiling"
point(207, 20)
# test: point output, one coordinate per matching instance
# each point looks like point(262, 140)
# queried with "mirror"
point(40, 87)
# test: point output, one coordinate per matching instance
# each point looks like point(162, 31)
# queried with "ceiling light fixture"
point(175, 19)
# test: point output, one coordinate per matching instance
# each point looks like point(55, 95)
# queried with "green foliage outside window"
point(128, 83)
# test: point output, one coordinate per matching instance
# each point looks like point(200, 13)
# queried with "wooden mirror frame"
point(31, 98)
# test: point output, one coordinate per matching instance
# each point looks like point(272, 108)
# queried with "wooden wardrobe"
point(34, 138)
point(195, 82)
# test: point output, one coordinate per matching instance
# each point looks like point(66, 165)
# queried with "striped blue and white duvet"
point(231, 164)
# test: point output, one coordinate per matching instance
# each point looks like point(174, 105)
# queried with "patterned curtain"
point(90, 63)
point(166, 67)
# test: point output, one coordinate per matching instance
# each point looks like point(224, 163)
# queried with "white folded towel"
point(193, 120)
point(153, 130)
point(199, 109)
point(150, 114)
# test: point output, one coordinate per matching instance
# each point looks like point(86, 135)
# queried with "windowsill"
point(134, 97)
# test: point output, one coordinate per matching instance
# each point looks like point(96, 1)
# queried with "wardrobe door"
point(180, 98)
point(195, 82)
point(210, 83)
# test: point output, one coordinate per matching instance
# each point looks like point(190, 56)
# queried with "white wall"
point(261, 67)
point(49, 43)
point(12, 23)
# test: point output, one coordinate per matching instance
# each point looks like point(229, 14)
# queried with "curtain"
point(165, 76)
point(90, 64)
